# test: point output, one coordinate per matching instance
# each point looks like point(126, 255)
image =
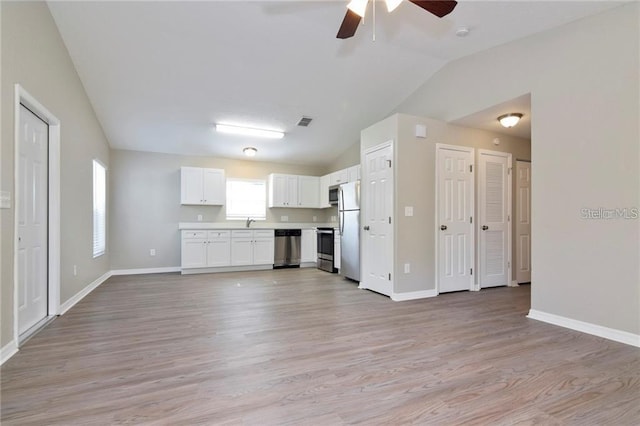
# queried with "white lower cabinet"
point(204, 249)
point(252, 247)
point(308, 246)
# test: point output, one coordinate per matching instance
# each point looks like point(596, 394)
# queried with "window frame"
point(228, 201)
point(99, 220)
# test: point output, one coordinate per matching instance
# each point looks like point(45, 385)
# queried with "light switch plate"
point(284, 218)
point(421, 131)
point(408, 211)
point(5, 200)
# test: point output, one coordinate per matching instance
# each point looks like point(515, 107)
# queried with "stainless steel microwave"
point(333, 195)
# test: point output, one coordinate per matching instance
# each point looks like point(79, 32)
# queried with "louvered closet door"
point(494, 218)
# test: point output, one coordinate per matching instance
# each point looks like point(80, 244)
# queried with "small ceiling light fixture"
point(392, 4)
point(510, 120)
point(359, 7)
point(250, 151)
point(462, 32)
point(248, 131)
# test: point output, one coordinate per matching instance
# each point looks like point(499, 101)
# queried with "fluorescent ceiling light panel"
point(248, 131)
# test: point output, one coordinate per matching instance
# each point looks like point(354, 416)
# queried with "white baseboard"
point(585, 327)
point(138, 271)
point(7, 351)
point(82, 293)
point(412, 295)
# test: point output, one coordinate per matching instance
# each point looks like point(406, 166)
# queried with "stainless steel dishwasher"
point(287, 248)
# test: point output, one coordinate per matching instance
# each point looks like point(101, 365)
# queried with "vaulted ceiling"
point(161, 74)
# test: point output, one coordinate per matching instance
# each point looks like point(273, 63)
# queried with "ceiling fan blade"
point(349, 25)
point(439, 8)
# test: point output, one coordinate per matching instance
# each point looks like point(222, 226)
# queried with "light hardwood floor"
point(306, 347)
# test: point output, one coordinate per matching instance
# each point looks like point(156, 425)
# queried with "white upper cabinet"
point(308, 191)
point(294, 191)
point(336, 178)
point(324, 192)
point(353, 173)
point(202, 186)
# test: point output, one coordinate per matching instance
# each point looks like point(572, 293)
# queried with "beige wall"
point(145, 204)
point(34, 56)
point(585, 94)
point(414, 184)
point(350, 157)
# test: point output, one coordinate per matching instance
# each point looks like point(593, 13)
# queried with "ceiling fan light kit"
point(357, 8)
point(510, 120)
point(248, 131)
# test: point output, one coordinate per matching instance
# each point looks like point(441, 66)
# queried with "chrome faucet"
point(249, 220)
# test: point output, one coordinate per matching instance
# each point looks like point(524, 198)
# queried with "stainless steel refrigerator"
point(349, 227)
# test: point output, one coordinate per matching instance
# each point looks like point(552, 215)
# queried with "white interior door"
point(32, 214)
point(494, 218)
point(377, 204)
point(523, 222)
point(454, 218)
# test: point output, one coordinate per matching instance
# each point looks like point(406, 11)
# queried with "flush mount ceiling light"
point(250, 151)
point(510, 120)
point(248, 131)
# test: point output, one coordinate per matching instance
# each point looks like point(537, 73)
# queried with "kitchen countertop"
point(254, 225)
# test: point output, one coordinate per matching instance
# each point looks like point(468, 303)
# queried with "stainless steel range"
point(325, 249)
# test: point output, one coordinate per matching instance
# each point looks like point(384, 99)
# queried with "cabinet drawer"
point(263, 233)
point(242, 234)
point(219, 235)
point(194, 234)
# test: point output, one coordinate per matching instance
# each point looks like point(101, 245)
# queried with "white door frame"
point(363, 196)
point(473, 285)
point(21, 96)
point(509, 158)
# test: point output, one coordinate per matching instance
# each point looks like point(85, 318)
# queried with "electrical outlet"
point(152, 252)
point(75, 270)
point(199, 218)
point(407, 268)
point(315, 218)
point(408, 211)
point(284, 218)
point(334, 218)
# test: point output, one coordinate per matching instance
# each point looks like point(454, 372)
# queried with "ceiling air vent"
point(304, 121)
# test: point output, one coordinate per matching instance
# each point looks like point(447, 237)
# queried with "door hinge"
point(471, 271)
point(389, 219)
point(470, 168)
point(508, 218)
point(509, 171)
point(508, 264)
point(389, 163)
point(470, 219)
point(389, 276)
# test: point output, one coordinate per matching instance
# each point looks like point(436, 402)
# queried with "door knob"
point(485, 227)
point(366, 228)
point(443, 227)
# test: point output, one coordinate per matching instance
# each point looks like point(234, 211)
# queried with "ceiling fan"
point(356, 9)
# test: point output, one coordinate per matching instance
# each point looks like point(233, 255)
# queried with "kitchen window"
point(99, 209)
point(246, 198)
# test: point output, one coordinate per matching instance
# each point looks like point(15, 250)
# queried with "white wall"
point(145, 204)
point(34, 55)
point(583, 80)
